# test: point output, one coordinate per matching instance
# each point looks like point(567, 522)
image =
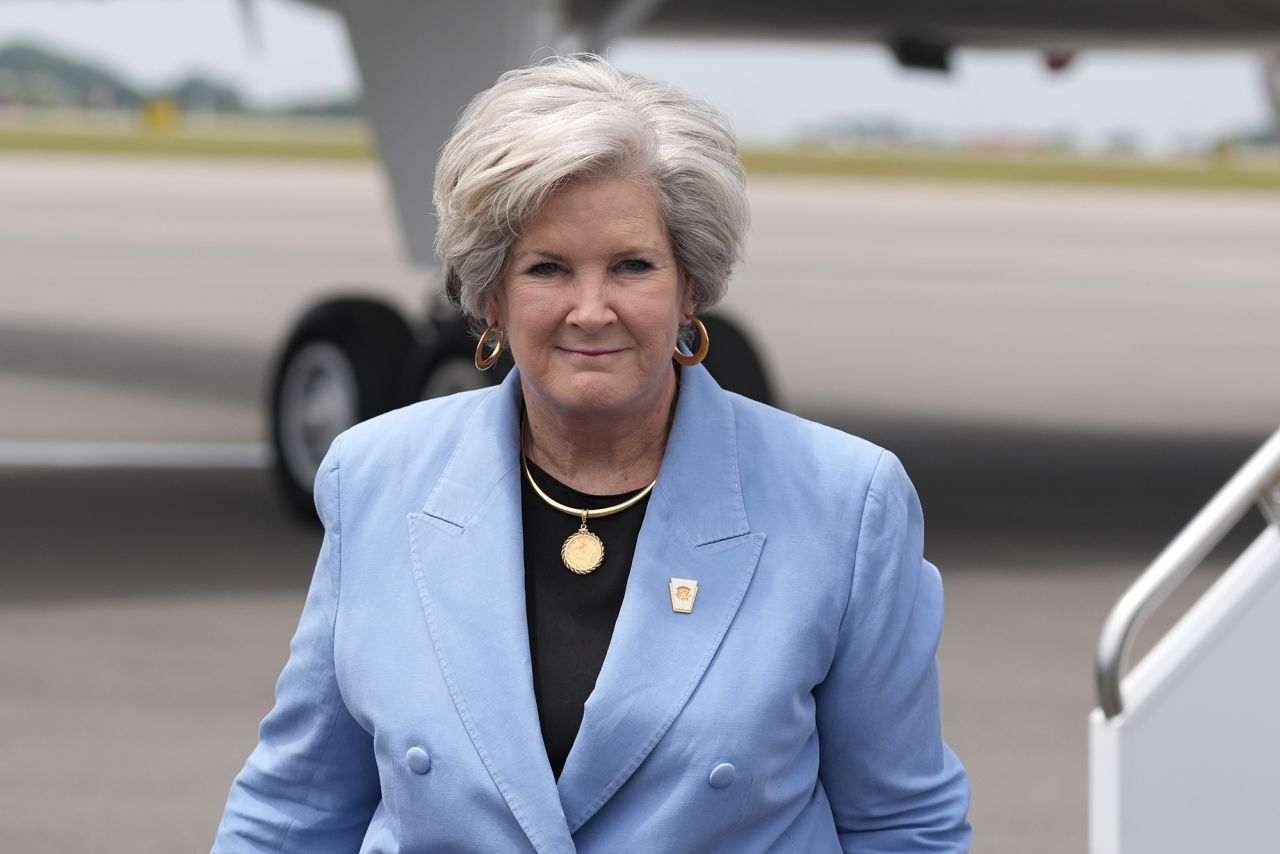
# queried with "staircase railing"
point(1256, 483)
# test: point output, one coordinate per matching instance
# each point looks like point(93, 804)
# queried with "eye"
point(546, 268)
point(635, 265)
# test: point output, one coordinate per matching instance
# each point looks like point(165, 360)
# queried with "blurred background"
point(1046, 276)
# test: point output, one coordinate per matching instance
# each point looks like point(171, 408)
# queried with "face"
point(592, 300)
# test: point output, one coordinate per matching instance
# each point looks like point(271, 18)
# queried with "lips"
point(591, 352)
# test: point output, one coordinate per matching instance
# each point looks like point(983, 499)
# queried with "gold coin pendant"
point(582, 552)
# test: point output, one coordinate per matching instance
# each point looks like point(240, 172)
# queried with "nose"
point(592, 309)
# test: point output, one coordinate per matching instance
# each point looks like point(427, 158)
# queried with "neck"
point(604, 453)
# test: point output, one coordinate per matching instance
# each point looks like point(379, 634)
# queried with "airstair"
point(1184, 749)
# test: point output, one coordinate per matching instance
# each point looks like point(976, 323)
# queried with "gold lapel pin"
point(683, 592)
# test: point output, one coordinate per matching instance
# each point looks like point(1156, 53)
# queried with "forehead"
point(594, 212)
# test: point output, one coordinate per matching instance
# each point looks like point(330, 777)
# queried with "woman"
point(755, 579)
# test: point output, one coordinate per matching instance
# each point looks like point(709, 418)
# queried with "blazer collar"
point(487, 452)
point(699, 472)
point(467, 550)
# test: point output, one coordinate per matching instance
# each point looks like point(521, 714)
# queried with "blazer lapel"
point(695, 527)
point(467, 551)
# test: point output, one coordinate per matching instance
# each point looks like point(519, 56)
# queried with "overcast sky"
point(770, 90)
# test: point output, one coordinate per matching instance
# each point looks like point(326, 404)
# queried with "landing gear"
point(449, 366)
point(343, 363)
point(735, 361)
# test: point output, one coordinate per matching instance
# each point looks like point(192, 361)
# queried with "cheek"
point(531, 318)
point(661, 339)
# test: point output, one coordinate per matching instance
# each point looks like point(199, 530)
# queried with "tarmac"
point(146, 611)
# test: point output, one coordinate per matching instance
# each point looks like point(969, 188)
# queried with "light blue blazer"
point(795, 710)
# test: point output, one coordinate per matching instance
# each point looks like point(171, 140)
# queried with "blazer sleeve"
point(893, 784)
point(311, 784)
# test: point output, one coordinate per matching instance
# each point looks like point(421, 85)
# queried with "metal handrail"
point(1257, 482)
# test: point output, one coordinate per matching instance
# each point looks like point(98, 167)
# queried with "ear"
point(686, 300)
point(493, 314)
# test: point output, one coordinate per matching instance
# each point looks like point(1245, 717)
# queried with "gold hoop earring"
point(703, 346)
point(484, 363)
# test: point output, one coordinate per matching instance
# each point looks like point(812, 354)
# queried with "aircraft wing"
point(1027, 23)
point(1058, 24)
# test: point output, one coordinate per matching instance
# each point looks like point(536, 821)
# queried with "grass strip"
point(353, 143)
point(1220, 173)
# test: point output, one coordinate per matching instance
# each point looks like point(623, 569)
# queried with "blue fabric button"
point(722, 775)
point(420, 761)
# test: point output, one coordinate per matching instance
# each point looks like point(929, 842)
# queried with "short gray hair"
point(577, 117)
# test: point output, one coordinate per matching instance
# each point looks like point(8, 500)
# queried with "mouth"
point(591, 352)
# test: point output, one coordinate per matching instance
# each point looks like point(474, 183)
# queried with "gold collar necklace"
point(583, 551)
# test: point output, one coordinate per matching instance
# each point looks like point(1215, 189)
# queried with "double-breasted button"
point(418, 759)
point(722, 775)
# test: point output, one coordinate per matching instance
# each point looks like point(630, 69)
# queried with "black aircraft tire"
point(342, 364)
point(449, 366)
point(734, 361)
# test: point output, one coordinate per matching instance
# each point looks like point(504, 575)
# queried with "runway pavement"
point(132, 284)
point(1068, 376)
point(147, 613)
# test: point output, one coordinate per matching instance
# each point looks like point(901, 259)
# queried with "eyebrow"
point(630, 250)
point(539, 252)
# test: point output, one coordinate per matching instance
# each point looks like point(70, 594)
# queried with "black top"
point(571, 616)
